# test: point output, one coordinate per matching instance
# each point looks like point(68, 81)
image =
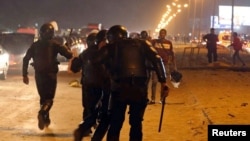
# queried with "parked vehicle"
point(4, 63)
point(16, 44)
point(224, 38)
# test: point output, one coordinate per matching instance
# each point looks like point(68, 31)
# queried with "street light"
point(171, 12)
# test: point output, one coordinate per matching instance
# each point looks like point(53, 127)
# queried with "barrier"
point(191, 53)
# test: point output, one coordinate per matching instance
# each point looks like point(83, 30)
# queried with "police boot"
point(113, 138)
point(100, 130)
point(78, 135)
point(47, 120)
point(135, 140)
point(43, 115)
point(81, 132)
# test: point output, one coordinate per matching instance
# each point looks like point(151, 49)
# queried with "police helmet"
point(47, 31)
point(91, 39)
point(101, 36)
point(117, 32)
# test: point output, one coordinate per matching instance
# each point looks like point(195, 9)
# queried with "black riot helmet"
point(117, 32)
point(47, 31)
point(101, 36)
point(91, 39)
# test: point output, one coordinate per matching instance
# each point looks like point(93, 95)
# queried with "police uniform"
point(126, 61)
point(44, 55)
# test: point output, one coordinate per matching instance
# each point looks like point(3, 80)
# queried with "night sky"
point(136, 15)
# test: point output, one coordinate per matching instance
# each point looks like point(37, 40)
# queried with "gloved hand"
point(164, 89)
point(75, 65)
point(26, 80)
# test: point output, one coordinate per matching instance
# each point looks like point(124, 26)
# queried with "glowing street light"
point(171, 13)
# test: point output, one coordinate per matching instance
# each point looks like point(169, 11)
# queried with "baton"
point(162, 112)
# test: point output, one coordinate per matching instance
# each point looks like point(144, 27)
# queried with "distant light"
point(175, 8)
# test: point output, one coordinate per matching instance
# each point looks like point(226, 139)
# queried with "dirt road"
point(206, 95)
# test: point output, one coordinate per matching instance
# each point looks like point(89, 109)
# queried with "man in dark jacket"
point(211, 40)
point(44, 54)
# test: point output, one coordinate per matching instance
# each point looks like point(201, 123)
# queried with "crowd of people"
point(115, 73)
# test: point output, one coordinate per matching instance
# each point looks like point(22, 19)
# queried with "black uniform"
point(126, 60)
point(95, 91)
point(44, 55)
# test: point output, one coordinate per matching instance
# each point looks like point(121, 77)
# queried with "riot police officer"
point(44, 54)
point(95, 88)
point(125, 59)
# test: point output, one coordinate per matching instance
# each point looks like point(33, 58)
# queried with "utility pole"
point(232, 26)
point(213, 14)
point(201, 15)
point(232, 19)
point(194, 19)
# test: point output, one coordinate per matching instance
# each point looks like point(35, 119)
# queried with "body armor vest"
point(129, 59)
point(45, 58)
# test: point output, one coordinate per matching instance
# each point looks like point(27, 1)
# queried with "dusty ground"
point(208, 94)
